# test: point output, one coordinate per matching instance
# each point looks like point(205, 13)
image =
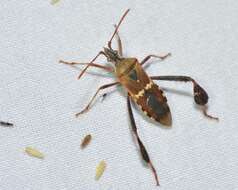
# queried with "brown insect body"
point(143, 90)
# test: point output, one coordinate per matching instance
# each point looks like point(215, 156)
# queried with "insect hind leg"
point(200, 95)
point(204, 111)
point(143, 151)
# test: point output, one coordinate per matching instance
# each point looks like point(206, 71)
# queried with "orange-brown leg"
point(143, 151)
point(106, 68)
point(91, 101)
point(154, 56)
point(91, 63)
point(200, 95)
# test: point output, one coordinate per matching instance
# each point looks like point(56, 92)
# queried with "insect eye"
point(115, 52)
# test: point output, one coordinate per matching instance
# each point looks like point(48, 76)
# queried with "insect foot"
point(82, 112)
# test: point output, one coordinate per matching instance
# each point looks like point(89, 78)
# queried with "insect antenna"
point(109, 45)
point(116, 29)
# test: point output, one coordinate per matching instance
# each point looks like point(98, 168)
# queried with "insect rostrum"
point(140, 88)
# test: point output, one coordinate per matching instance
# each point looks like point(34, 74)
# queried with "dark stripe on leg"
point(200, 95)
point(143, 151)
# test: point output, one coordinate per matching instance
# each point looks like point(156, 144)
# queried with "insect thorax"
point(125, 66)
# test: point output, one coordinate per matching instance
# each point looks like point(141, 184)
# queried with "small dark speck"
point(6, 124)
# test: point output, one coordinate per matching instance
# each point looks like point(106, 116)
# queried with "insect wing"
point(155, 106)
point(147, 95)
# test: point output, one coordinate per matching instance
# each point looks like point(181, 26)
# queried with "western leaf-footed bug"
point(140, 88)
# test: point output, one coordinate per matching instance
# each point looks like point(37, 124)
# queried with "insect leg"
point(155, 56)
point(200, 95)
point(100, 88)
point(119, 42)
point(143, 151)
point(109, 69)
point(90, 64)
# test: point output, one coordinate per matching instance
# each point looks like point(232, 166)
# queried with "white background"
point(41, 96)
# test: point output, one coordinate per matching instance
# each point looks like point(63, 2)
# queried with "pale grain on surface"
point(34, 152)
point(100, 169)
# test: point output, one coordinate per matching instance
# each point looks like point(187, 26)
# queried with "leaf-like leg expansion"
point(155, 56)
point(143, 151)
point(200, 95)
point(100, 88)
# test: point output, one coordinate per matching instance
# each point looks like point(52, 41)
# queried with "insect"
point(140, 88)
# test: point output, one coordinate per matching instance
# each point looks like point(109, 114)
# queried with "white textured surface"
point(41, 96)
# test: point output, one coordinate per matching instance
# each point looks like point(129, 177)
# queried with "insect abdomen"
point(154, 104)
point(144, 91)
